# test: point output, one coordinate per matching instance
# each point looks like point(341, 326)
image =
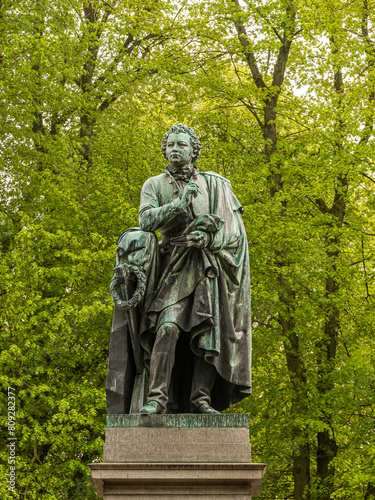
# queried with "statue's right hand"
point(190, 191)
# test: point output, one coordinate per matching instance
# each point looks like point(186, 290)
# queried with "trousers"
point(161, 366)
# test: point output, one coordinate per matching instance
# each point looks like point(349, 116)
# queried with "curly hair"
point(194, 140)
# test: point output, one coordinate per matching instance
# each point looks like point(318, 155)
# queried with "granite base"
point(179, 456)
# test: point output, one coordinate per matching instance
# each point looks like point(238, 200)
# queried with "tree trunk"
point(326, 442)
point(296, 369)
point(38, 124)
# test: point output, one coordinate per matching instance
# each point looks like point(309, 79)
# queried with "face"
point(179, 149)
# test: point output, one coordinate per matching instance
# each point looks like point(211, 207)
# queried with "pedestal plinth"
point(182, 456)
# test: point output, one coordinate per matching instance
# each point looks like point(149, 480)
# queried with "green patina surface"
point(183, 420)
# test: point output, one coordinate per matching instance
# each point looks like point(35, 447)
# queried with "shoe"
point(206, 409)
point(152, 407)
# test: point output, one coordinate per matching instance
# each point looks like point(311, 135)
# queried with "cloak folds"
point(127, 375)
point(206, 292)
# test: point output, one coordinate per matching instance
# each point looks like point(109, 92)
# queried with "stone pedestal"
point(182, 456)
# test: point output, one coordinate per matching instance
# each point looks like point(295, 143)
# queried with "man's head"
point(180, 145)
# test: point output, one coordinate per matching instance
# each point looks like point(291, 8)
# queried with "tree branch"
point(249, 55)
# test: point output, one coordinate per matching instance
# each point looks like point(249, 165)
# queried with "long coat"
point(206, 292)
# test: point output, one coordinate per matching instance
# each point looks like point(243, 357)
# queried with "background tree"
point(312, 213)
point(281, 94)
point(63, 65)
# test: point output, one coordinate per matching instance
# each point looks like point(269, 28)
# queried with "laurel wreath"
point(125, 271)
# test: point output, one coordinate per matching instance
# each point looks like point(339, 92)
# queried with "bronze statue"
point(181, 338)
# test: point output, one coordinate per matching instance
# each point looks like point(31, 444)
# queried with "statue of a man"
point(184, 345)
point(203, 292)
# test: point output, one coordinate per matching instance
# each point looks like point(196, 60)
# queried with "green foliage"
point(87, 91)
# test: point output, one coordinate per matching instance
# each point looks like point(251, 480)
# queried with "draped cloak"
point(206, 292)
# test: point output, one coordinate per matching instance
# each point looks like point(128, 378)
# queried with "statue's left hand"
point(201, 239)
